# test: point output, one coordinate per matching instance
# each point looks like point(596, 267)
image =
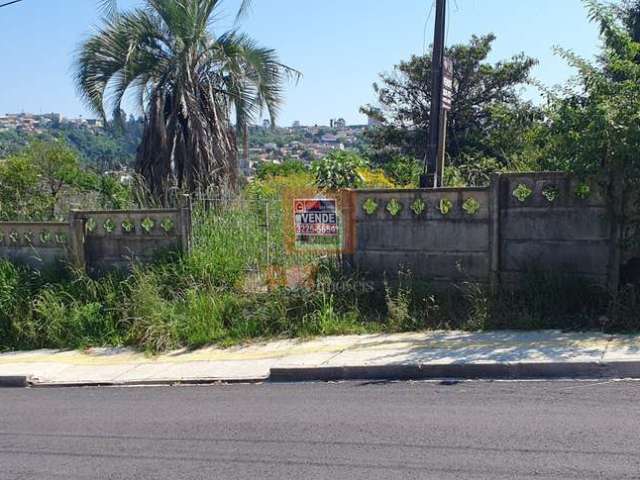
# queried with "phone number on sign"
point(317, 229)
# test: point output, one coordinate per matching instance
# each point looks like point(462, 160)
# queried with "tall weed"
point(151, 319)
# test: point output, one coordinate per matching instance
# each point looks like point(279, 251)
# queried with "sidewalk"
point(504, 354)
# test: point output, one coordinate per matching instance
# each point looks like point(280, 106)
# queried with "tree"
point(595, 127)
point(339, 169)
point(629, 12)
point(481, 93)
point(20, 195)
point(108, 7)
point(403, 170)
point(284, 169)
point(57, 165)
point(34, 181)
point(188, 82)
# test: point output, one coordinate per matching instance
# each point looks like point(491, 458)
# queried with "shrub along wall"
point(522, 222)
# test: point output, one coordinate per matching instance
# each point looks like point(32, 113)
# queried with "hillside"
point(103, 149)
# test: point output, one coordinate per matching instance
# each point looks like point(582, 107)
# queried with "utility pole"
point(428, 179)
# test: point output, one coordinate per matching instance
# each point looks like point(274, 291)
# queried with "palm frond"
point(108, 7)
point(244, 9)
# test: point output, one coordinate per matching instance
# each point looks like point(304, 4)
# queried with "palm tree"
point(188, 82)
point(108, 7)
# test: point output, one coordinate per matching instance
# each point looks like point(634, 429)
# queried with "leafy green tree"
point(34, 181)
point(482, 93)
point(403, 170)
point(339, 169)
point(475, 172)
point(284, 169)
point(189, 83)
point(12, 142)
point(595, 128)
point(21, 197)
point(113, 194)
point(57, 165)
point(629, 12)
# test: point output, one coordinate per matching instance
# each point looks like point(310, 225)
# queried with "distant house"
point(32, 123)
point(329, 138)
point(94, 123)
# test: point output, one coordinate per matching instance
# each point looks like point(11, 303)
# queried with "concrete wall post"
point(494, 231)
point(185, 229)
point(617, 216)
point(76, 240)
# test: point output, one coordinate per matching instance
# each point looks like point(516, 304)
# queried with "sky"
point(340, 46)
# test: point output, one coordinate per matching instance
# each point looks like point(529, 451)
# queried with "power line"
point(446, 36)
point(10, 3)
point(426, 26)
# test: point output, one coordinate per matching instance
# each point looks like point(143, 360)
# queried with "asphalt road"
point(479, 430)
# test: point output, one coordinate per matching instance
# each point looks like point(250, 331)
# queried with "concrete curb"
point(151, 383)
point(461, 371)
point(15, 381)
point(469, 371)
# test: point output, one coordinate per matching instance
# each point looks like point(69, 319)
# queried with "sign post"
point(447, 100)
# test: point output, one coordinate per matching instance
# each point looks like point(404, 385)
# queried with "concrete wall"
point(565, 234)
point(434, 244)
point(98, 240)
point(542, 221)
point(115, 239)
point(37, 244)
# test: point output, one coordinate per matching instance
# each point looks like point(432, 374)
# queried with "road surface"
point(475, 430)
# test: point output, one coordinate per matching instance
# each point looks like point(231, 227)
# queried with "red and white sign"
point(315, 217)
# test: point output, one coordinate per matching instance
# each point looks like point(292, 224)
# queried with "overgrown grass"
point(205, 297)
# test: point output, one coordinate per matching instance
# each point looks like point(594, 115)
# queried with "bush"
point(150, 316)
point(20, 194)
point(404, 170)
point(473, 172)
point(374, 178)
point(206, 317)
point(339, 169)
point(225, 246)
point(63, 323)
point(10, 287)
point(13, 297)
point(287, 168)
point(156, 308)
